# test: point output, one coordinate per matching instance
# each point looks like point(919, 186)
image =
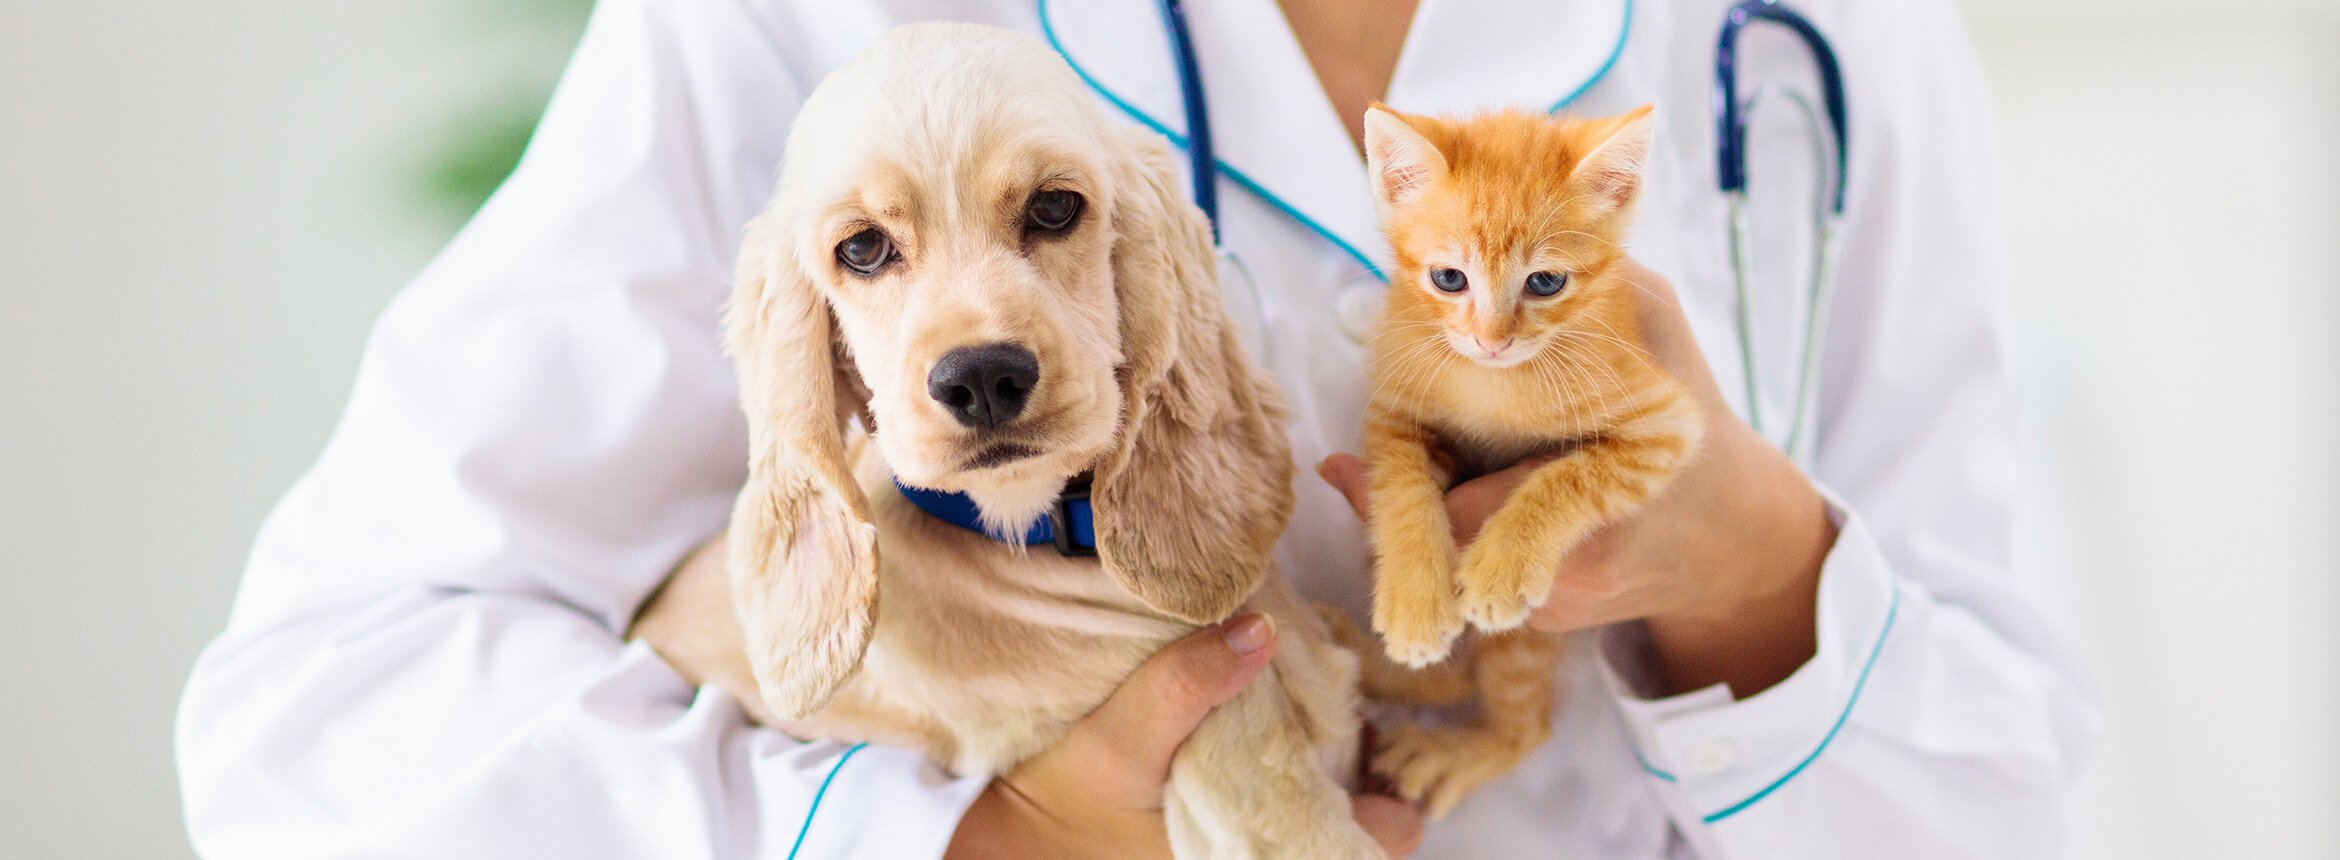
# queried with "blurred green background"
point(203, 209)
point(475, 146)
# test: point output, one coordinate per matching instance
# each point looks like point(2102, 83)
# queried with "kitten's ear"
point(1610, 175)
point(1401, 161)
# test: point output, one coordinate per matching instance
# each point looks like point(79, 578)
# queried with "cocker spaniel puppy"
point(1008, 289)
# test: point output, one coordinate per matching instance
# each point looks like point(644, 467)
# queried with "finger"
point(1392, 822)
point(1471, 502)
point(1126, 744)
point(1346, 473)
point(1586, 593)
point(702, 571)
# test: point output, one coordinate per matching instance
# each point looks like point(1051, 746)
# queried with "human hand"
point(1098, 790)
point(690, 622)
point(1723, 565)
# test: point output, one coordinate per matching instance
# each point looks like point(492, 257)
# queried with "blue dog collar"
point(1071, 525)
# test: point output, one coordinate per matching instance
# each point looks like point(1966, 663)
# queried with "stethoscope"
point(1828, 150)
point(1730, 115)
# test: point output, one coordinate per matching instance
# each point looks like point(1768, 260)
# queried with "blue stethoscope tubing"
point(1202, 158)
point(1731, 113)
point(1730, 119)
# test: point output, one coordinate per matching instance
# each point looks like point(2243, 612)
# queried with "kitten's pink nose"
point(1494, 349)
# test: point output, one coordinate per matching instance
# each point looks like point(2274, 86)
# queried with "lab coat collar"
point(1277, 135)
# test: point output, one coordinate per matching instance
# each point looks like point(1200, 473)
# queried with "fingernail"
point(1248, 634)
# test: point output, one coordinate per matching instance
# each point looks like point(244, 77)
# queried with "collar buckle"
point(1060, 519)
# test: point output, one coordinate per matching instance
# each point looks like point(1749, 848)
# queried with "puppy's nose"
point(984, 386)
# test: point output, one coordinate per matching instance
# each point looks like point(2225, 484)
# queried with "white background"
point(203, 206)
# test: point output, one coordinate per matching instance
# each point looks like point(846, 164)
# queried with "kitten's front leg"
point(1414, 605)
point(1508, 569)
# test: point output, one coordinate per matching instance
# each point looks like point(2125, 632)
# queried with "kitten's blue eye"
point(1449, 280)
point(1546, 283)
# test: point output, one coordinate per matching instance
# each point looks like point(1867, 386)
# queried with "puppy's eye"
point(1053, 211)
point(1449, 280)
point(865, 252)
point(1546, 283)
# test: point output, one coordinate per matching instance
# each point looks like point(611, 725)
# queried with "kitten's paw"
point(1415, 639)
point(1417, 621)
point(1499, 589)
point(1495, 612)
point(1439, 767)
point(1414, 611)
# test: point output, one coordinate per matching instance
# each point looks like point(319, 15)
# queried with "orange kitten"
point(1509, 334)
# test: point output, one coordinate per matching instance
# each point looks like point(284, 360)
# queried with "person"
point(430, 656)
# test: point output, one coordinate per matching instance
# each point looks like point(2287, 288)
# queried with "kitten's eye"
point(1052, 211)
point(865, 252)
point(1546, 283)
point(1449, 280)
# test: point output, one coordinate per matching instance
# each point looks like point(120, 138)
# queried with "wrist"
point(1753, 625)
point(1007, 822)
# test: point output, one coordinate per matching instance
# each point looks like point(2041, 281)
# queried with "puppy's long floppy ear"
point(803, 552)
point(1190, 502)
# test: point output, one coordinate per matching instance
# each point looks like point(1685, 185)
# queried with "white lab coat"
point(426, 658)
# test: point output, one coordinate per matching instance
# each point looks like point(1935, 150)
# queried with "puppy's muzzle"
point(984, 386)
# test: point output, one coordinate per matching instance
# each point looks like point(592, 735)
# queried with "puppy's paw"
point(1336, 839)
point(1439, 767)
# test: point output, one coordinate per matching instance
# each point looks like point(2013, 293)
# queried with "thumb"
point(1126, 744)
point(1394, 823)
point(1346, 473)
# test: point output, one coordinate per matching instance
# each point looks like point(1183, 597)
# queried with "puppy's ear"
point(1190, 502)
point(803, 552)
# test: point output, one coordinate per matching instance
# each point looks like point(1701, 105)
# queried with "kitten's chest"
point(1498, 398)
point(1496, 416)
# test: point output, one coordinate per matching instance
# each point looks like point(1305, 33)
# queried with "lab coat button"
point(1359, 309)
point(1711, 758)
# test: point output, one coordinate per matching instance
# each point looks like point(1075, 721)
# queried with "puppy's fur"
point(868, 620)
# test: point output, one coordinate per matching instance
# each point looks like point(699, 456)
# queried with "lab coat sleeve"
point(426, 657)
point(1942, 715)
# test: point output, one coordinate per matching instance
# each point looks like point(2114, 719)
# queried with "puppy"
point(1010, 291)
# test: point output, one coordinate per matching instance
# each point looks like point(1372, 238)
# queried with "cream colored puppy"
point(1008, 288)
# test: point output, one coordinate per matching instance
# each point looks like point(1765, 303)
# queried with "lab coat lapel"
point(1471, 54)
point(1275, 132)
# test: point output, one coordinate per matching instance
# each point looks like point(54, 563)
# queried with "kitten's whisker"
point(1605, 242)
point(1568, 385)
point(1611, 337)
point(1592, 358)
point(1652, 294)
point(1412, 364)
point(1585, 362)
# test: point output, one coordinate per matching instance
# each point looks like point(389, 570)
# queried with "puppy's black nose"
point(984, 386)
